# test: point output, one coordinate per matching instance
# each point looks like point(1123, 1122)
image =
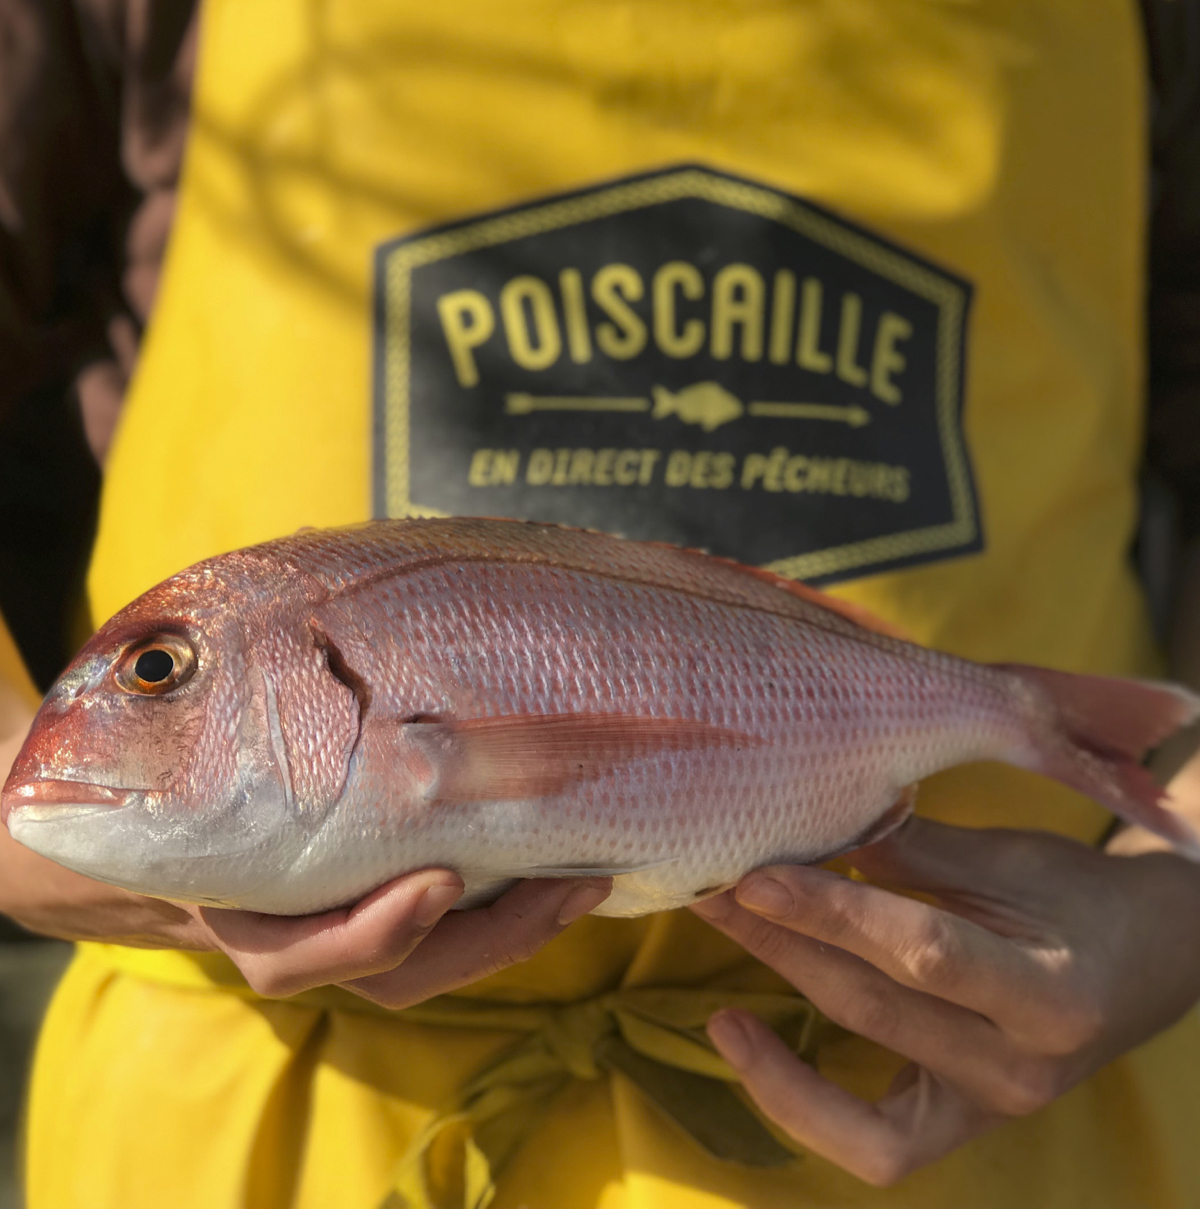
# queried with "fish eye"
point(156, 665)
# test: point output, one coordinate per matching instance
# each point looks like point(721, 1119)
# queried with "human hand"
point(1042, 961)
point(393, 947)
point(53, 901)
point(398, 946)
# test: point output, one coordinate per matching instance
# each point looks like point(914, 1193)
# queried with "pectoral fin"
point(537, 755)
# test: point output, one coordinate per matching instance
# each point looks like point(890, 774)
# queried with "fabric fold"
point(653, 1036)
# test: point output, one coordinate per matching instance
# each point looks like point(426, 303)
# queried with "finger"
point(960, 1045)
point(1027, 885)
point(918, 1121)
point(917, 945)
point(469, 945)
point(977, 863)
point(284, 955)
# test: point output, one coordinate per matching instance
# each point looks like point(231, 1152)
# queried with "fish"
point(286, 727)
point(708, 404)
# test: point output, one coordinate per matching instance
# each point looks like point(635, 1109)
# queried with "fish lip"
point(57, 799)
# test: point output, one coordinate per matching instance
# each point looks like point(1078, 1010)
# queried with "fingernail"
point(434, 903)
point(580, 901)
point(765, 895)
point(729, 1034)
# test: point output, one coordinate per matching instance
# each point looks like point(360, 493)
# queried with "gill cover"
point(312, 718)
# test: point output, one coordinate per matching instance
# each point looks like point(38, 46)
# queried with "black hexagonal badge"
point(682, 356)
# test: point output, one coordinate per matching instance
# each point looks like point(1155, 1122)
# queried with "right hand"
point(396, 947)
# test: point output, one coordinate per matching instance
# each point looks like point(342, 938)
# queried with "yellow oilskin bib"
point(853, 290)
point(18, 696)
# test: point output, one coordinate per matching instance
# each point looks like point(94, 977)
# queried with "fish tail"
point(664, 402)
point(1105, 726)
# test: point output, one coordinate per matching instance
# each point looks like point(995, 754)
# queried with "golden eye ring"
point(156, 665)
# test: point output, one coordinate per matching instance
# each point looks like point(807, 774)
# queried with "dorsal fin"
point(859, 614)
point(355, 559)
point(856, 613)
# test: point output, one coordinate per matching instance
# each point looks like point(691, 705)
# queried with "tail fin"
point(664, 402)
point(1100, 728)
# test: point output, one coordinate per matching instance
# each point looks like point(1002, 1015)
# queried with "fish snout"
point(46, 798)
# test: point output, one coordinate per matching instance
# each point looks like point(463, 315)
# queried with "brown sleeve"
point(63, 197)
point(93, 112)
point(63, 200)
point(1173, 429)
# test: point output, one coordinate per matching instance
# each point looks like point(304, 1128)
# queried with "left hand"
point(1042, 961)
point(398, 946)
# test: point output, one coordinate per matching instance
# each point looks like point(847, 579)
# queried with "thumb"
point(940, 859)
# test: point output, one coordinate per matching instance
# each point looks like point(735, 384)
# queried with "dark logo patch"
point(683, 356)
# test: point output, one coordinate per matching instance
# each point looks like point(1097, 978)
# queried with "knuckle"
point(885, 1165)
point(387, 990)
point(935, 959)
point(513, 955)
point(1068, 1012)
point(392, 1000)
point(269, 982)
point(370, 958)
point(383, 953)
point(769, 942)
point(1073, 1024)
point(516, 949)
point(840, 908)
point(1027, 1086)
point(871, 1011)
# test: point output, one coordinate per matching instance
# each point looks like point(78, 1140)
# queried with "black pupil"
point(154, 666)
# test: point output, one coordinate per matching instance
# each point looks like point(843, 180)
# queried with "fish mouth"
point(62, 799)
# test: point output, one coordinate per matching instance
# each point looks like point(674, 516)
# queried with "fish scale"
point(511, 700)
point(577, 621)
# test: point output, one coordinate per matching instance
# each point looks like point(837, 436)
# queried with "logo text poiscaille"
point(683, 356)
point(739, 312)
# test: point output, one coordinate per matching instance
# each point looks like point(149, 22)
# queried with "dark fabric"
point(93, 117)
point(1173, 437)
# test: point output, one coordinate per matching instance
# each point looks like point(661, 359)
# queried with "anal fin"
point(892, 818)
point(593, 870)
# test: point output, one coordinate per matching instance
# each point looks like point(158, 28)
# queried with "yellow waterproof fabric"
point(1001, 139)
point(653, 1036)
point(18, 698)
point(148, 1093)
point(17, 690)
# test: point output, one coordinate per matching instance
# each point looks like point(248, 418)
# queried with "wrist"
point(52, 901)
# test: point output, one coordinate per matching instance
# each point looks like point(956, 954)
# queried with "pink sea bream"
point(286, 727)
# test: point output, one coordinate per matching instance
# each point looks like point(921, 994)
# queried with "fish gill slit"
point(278, 749)
point(340, 670)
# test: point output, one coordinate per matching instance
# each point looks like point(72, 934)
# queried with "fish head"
point(160, 762)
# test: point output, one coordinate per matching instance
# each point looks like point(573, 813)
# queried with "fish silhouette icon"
point(705, 403)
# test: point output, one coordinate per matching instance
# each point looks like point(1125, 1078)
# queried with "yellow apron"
point(18, 696)
point(998, 146)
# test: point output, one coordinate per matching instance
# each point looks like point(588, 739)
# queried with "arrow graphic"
point(522, 404)
point(856, 417)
